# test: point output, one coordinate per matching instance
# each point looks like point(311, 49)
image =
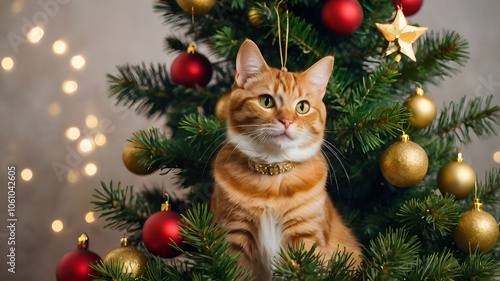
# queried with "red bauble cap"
point(410, 7)
point(160, 230)
point(190, 69)
point(74, 266)
point(342, 17)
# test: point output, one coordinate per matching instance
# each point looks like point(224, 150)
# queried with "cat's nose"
point(287, 122)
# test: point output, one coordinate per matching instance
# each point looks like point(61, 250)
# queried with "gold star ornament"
point(400, 35)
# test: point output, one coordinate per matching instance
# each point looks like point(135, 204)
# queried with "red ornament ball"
point(160, 230)
point(342, 17)
point(190, 69)
point(74, 266)
point(410, 7)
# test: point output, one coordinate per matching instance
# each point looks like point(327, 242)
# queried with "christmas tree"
point(407, 215)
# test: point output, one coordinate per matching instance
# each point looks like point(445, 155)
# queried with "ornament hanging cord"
point(283, 61)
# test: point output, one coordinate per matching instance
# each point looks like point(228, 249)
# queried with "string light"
point(90, 169)
point(57, 226)
point(54, 109)
point(77, 61)
point(7, 63)
point(100, 139)
point(26, 174)
point(69, 87)
point(59, 47)
point(91, 121)
point(72, 133)
point(89, 217)
point(35, 34)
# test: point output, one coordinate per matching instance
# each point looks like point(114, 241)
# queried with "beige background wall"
point(113, 32)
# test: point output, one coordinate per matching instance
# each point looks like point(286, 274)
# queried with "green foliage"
point(433, 217)
point(121, 207)
point(113, 271)
point(391, 256)
point(437, 266)
point(298, 263)
point(212, 259)
point(461, 118)
point(478, 267)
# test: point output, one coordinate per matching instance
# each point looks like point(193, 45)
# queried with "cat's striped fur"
point(262, 213)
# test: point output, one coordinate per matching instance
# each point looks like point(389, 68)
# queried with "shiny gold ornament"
point(196, 7)
point(131, 160)
point(423, 109)
point(404, 163)
point(400, 35)
point(255, 18)
point(456, 178)
point(477, 228)
point(132, 260)
point(222, 107)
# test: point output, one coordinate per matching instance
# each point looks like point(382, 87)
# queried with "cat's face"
point(277, 116)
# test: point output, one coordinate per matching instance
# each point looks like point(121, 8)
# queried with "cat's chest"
point(270, 235)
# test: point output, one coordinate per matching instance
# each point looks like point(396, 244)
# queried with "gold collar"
point(270, 169)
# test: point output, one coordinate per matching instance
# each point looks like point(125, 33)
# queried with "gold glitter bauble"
point(456, 178)
point(404, 163)
point(478, 228)
point(222, 107)
point(196, 7)
point(132, 260)
point(423, 109)
point(131, 160)
point(255, 18)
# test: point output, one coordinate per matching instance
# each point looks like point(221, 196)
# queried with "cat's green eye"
point(302, 107)
point(266, 101)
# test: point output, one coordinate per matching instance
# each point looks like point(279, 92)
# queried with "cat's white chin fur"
point(274, 151)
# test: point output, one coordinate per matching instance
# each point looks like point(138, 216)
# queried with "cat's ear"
point(318, 75)
point(249, 62)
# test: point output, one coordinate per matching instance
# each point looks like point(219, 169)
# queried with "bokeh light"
point(90, 169)
point(59, 47)
point(100, 139)
point(77, 61)
point(17, 6)
point(73, 176)
point(54, 109)
point(91, 121)
point(57, 226)
point(26, 174)
point(35, 34)
point(496, 156)
point(89, 217)
point(7, 63)
point(86, 146)
point(69, 87)
point(72, 133)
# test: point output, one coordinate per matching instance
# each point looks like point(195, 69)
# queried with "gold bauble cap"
point(83, 242)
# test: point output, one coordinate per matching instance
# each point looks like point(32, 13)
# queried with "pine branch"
point(297, 263)
point(148, 88)
point(211, 259)
point(224, 42)
point(113, 271)
point(121, 208)
point(460, 119)
point(433, 217)
point(478, 267)
point(152, 144)
point(438, 56)
point(366, 129)
point(391, 256)
point(437, 266)
point(489, 190)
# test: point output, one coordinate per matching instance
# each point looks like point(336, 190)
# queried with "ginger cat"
point(270, 175)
